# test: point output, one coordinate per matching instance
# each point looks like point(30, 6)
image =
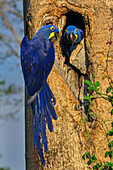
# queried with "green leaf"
point(94, 167)
point(91, 159)
point(112, 103)
point(94, 158)
point(112, 112)
point(107, 164)
point(86, 135)
point(91, 113)
point(94, 75)
point(106, 154)
point(111, 154)
point(82, 118)
point(108, 90)
point(89, 83)
point(112, 93)
point(97, 84)
point(89, 162)
point(110, 132)
point(100, 164)
point(112, 124)
point(110, 144)
point(87, 94)
point(85, 97)
point(112, 165)
point(97, 165)
point(88, 155)
point(91, 88)
point(91, 97)
point(83, 156)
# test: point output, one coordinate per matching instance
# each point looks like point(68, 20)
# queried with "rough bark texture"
point(67, 143)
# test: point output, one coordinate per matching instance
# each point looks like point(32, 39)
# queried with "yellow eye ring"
point(52, 28)
point(76, 30)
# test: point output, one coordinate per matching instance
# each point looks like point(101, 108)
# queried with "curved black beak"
point(55, 37)
point(71, 38)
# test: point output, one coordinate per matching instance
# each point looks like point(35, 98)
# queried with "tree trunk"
point(67, 143)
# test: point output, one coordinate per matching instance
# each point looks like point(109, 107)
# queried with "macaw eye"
point(52, 28)
point(76, 30)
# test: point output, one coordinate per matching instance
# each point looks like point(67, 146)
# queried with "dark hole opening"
point(76, 19)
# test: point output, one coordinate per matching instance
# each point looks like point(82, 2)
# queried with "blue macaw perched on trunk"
point(71, 38)
point(37, 59)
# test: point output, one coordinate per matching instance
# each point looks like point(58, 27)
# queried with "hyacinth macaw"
point(37, 59)
point(71, 38)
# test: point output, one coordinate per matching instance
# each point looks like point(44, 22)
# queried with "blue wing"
point(82, 34)
point(37, 59)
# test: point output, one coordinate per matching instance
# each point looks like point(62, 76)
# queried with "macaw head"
point(49, 32)
point(72, 34)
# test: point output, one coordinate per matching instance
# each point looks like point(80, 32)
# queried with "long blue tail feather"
point(47, 112)
point(49, 102)
point(37, 116)
point(43, 122)
point(42, 111)
point(51, 94)
point(36, 131)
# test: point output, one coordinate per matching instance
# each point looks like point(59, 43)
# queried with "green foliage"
point(110, 144)
point(92, 86)
point(112, 112)
point(94, 159)
point(95, 87)
point(108, 164)
point(110, 133)
point(83, 156)
point(110, 154)
point(106, 154)
point(108, 89)
point(88, 155)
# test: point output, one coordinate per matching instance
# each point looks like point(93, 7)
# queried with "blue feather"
point(37, 59)
point(71, 38)
point(48, 97)
point(51, 94)
point(47, 114)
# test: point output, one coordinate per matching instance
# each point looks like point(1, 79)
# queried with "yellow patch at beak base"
point(52, 35)
point(76, 36)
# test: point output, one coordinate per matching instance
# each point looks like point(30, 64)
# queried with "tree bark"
point(67, 143)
